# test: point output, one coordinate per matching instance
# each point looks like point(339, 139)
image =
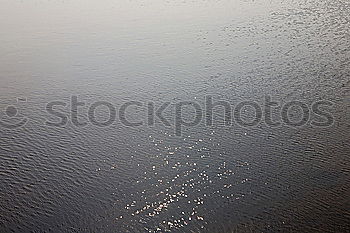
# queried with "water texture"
point(211, 179)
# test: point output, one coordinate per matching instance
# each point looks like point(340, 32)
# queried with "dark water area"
point(209, 178)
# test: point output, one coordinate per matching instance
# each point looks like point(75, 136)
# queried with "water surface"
point(146, 179)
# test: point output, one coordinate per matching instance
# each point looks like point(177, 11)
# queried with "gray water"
point(211, 179)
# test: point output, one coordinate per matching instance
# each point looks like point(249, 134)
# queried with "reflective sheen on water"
point(213, 179)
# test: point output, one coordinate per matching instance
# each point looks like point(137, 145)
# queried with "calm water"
point(145, 179)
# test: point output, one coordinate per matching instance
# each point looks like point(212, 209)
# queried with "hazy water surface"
point(146, 179)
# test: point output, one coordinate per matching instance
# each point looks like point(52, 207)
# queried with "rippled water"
point(145, 179)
